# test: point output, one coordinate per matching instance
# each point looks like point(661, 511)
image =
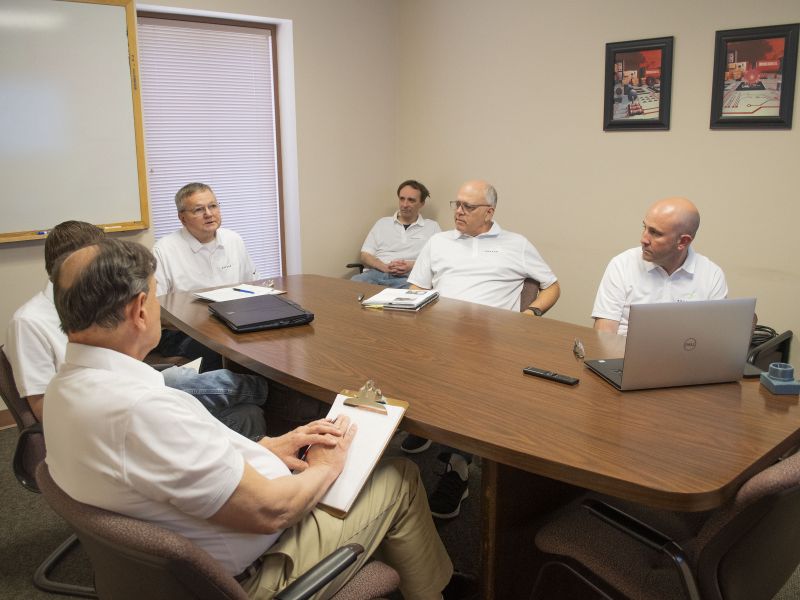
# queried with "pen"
point(243, 291)
point(303, 452)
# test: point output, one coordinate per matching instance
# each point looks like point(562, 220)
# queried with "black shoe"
point(445, 501)
point(413, 444)
point(461, 587)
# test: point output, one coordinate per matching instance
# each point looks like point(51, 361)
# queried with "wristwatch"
point(536, 311)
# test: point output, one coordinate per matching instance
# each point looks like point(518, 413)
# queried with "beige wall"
point(447, 90)
point(512, 91)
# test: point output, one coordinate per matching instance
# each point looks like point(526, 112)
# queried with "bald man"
point(480, 262)
point(664, 269)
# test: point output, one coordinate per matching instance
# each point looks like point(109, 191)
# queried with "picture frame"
point(754, 77)
point(638, 85)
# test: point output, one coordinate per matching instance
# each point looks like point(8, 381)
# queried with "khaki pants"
point(390, 516)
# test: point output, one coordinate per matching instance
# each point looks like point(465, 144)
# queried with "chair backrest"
point(748, 549)
point(530, 289)
point(30, 448)
point(19, 407)
point(134, 559)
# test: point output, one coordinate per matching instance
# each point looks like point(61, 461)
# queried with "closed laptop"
point(682, 343)
point(260, 312)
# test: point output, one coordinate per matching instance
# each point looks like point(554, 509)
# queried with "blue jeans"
point(233, 398)
point(380, 278)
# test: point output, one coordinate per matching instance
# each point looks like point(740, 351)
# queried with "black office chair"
point(134, 559)
point(769, 346)
point(355, 265)
point(530, 290)
point(28, 454)
point(745, 550)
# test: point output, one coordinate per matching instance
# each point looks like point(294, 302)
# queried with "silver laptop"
point(682, 343)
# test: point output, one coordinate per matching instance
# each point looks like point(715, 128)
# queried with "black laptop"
point(269, 311)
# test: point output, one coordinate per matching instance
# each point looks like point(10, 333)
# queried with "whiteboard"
point(70, 117)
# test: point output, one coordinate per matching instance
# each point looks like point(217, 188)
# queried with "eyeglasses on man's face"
point(200, 210)
point(465, 206)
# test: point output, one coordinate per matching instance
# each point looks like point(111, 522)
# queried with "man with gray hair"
point(153, 453)
point(35, 347)
point(664, 268)
point(201, 254)
point(479, 262)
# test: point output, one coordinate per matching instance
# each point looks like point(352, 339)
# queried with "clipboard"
point(375, 429)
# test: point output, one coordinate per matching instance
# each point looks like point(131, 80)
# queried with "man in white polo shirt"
point(35, 347)
point(201, 254)
point(251, 506)
point(479, 262)
point(393, 243)
point(664, 268)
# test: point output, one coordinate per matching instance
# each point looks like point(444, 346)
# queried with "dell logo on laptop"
point(690, 344)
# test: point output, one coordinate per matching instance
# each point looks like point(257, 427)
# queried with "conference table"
point(459, 366)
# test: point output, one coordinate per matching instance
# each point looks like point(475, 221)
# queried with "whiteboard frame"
point(143, 222)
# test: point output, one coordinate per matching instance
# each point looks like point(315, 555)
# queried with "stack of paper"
point(392, 299)
point(243, 290)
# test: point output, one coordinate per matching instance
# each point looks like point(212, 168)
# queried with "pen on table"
point(243, 291)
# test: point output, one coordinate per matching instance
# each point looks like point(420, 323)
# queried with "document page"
point(243, 290)
point(374, 432)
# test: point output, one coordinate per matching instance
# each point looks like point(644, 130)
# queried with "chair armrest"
point(355, 265)
point(649, 537)
point(313, 580)
point(26, 478)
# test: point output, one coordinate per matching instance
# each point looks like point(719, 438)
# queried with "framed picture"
point(754, 74)
point(638, 84)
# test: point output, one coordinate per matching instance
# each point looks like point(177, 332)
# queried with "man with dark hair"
point(235, 498)
point(201, 254)
point(393, 243)
point(663, 268)
point(36, 344)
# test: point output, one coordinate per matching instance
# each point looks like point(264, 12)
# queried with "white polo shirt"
point(35, 343)
point(118, 438)
point(488, 269)
point(184, 264)
point(389, 239)
point(629, 279)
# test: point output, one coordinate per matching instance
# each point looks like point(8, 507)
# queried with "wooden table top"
point(459, 365)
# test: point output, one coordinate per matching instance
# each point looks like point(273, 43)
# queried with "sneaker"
point(413, 444)
point(451, 491)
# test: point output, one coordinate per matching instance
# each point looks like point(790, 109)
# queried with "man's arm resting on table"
point(608, 325)
point(546, 298)
point(368, 260)
point(261, 505)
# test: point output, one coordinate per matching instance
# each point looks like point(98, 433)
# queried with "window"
point(208, 102)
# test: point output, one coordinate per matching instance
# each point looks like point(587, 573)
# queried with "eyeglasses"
point(456, 204)
point(199, 210)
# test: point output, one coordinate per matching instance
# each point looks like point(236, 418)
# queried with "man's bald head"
point(93, 285)
point(669, 229)
point(680, 213)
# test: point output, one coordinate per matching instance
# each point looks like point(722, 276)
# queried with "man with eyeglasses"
point(478, 262)
point(201, 254)
point(394, 242)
